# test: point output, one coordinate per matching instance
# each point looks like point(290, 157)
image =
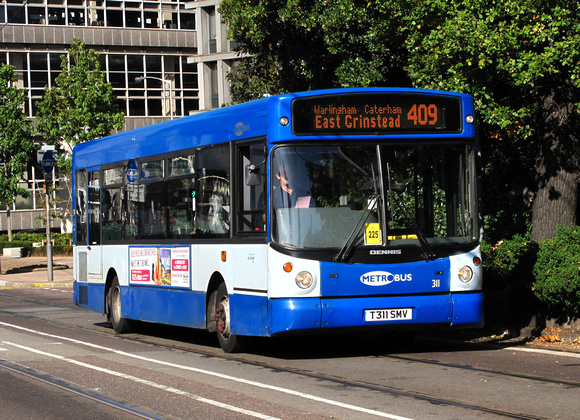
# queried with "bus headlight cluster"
point(465, 274)
point(304, 280)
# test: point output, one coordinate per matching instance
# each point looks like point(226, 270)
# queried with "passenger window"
point(153, 213)
point(152, 170)
point(112, 207)
point(212, 198)
point(252, 186)
point(181, 208)
point(95, 208)
point(81, 207)
point(181, 165)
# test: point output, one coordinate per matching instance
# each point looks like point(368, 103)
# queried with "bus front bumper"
point(456, 310)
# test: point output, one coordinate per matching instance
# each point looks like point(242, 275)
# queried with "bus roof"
point(253, 119)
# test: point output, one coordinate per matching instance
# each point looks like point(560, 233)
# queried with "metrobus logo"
point(382, 278)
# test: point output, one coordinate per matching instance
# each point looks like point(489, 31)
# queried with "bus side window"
point(153, 215)
point(181, 211)
point(212, 219)
point(251, 188)
point(111, 202)
point(81, 207)
point(94, 207)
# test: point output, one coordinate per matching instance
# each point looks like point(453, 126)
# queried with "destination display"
point(376, 114)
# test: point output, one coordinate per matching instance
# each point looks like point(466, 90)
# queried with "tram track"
point(175, 341)
point(370, 386)
point(69, 391)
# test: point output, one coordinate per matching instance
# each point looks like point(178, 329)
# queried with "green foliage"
point(557, 273)
point(286, 41)
point(17, 244)
point(506, 256)
point(57, 250)
point(16, 146)
point(62, 243)
point(313, 44)
point(507, 266)
point(57, 238)
point(253, 78)
point(80, 106)
point(519, 58)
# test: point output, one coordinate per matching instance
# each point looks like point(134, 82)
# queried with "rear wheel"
point(230, 343)
point(120, 324)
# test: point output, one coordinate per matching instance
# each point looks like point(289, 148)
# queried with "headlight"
point(304, 280)
point(465, 274)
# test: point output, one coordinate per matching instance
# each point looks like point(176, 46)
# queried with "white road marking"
point(544, 351)
point(146, 382)
point(220, 375)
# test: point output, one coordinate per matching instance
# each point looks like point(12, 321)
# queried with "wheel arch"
point(210, 300)
point(111, 274)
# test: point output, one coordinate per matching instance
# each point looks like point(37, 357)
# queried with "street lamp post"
point(142, 78)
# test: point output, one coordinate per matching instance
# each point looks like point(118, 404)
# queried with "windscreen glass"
point(370, 195)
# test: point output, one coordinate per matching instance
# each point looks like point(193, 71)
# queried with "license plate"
point(388, 314)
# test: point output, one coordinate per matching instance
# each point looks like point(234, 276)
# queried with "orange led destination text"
point(349, 117)
point(373, 116)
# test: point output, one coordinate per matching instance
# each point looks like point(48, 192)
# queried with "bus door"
point(95, 253)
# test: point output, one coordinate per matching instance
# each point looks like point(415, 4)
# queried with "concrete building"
point(164, 58)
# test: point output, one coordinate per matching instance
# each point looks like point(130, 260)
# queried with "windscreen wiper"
point(346, 249)
point(428, 252)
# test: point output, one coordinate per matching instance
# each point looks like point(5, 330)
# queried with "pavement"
point(33, 272)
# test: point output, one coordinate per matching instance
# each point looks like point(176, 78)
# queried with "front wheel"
point(120, 325)
point(230, 343)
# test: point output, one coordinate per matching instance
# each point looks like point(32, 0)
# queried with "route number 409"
point(423, 114)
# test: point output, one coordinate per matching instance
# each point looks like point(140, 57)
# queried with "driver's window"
point(252, 187)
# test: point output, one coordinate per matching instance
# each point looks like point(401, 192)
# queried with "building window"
point(111, 13)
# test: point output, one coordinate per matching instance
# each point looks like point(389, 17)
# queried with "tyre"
point(120, 325)
point(230, 343)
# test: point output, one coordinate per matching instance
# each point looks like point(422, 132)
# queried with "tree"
point(312, 44)
point(80, 106)
point(286, 44)
point(519, 58)
point(16, 142)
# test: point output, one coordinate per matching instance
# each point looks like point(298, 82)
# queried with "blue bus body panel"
point(459, 310)
point(437, 309)
point(258, 316)
point(89, 296)
point(337, 279)
point(468, 310)
point(184, 308)
point(249, 314)
point(165, 306)
point(294, 314)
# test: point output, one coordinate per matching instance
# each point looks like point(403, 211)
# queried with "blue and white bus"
point(333, 210)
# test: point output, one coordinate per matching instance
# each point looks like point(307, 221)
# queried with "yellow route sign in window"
point(373, 234)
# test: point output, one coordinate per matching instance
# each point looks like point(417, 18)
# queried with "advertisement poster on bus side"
point(159, 266)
